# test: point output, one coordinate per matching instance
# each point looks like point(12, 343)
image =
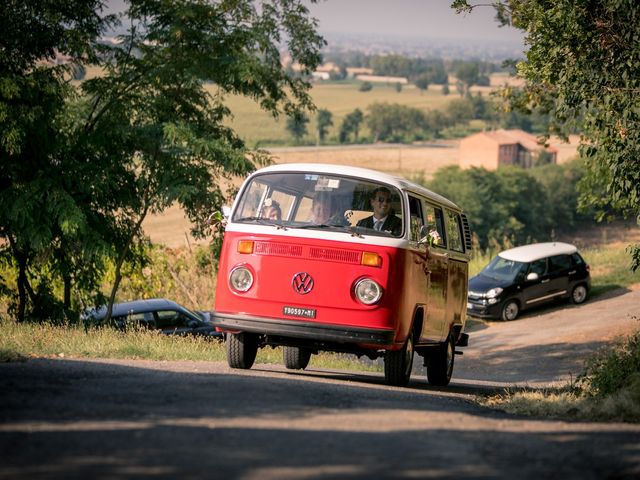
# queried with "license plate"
point(299, 312)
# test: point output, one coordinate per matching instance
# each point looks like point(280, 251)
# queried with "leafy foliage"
point(81, 168)
point(583, 67)
point(512, 206)
point(323, 121)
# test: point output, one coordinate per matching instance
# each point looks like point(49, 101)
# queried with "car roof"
point(398, 182)
point(536, 251)
point(140, 306)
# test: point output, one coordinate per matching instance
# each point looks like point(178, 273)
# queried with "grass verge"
point(609, 390)
point(21, 341)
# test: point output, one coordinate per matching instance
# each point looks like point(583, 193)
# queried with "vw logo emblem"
point(302, 283)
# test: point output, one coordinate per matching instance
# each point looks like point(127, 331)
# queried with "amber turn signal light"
point(371, 259)
point(245, 246)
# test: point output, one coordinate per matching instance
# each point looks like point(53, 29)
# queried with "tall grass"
point(21, 341)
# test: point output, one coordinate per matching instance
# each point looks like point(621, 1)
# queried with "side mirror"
point(220, 217)
point(533, 276)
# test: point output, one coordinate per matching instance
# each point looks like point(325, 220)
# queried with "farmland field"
point(258, 127)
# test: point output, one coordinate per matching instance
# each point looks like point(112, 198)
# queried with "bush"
point(365, 86)
point(612, 370)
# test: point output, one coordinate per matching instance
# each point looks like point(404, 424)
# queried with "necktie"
point(378, 225)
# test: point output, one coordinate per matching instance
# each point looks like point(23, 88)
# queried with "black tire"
point(241, 350)
point(398, 364)
point(440, 366)
point(296, 358)
point(579, 294)
point(510, 310)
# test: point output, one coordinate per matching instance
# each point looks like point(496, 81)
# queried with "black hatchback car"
point(528, 276)
point(158, 314)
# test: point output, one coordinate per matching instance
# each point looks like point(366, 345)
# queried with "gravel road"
point(70, 418)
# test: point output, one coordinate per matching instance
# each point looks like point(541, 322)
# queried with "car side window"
point(576, 259)
point(170, 319)
point(558, 263)
point(539, 267)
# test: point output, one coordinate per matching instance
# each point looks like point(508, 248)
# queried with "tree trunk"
point(67, 291)
point(121, 258)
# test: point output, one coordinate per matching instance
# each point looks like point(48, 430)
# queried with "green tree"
point(365, 87)
point(508, 206)
point(422, 83)
point(582, 66)
point(351, 125)
point(42, 220)
point(324, 120)
point(467, 73)
point(81, 170)
point(395, 122)
point(297, 125)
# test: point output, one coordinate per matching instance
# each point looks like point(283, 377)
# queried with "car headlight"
point(241, 279)
point(494, 292)
point(368, 291)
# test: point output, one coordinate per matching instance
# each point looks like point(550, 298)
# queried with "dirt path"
point(550, 345)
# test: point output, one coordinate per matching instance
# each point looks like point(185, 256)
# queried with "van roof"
point(536, 251)
point(398, 182)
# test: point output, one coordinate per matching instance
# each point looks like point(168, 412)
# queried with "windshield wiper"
point(262, 221)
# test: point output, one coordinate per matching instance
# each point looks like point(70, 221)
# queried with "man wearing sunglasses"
point(383, 218)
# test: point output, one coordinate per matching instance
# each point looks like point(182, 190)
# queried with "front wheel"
point(440, 366)
point(579, 294)
point(510, 310)
point(296, 358)
point(242, 349)
point(398, 364)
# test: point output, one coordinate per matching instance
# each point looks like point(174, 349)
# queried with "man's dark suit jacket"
point(392, 224)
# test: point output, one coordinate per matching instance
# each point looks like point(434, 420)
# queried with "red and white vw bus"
point(343, 259)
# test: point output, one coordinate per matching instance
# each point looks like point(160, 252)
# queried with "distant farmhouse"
point(382, 79)
point(504, 147)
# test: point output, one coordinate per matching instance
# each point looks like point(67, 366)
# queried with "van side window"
point(435, 224)
point(415, 215)
point(454, 231)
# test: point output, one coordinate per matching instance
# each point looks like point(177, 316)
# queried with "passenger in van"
point(272, 210)
point(323, 211)
point(383, 219)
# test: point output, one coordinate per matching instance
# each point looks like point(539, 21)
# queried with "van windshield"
point(502, 269)
point(321, 201)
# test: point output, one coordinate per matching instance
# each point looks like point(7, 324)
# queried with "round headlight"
point(494, 292)
point(241, 279)
point(368, 291)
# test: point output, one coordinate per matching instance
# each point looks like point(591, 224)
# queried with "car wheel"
point(510, 310)
point(241, 350)
point(440, 365)
point(579, 294)
point(296, 358)
point(398, 364)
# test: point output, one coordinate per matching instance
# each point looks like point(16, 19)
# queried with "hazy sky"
point(416, 18)
point(423, 18)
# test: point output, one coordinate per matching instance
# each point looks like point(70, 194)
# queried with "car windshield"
point(320, 201)
point(502, 269)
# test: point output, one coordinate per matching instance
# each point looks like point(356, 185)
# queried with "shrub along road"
point(65, 418)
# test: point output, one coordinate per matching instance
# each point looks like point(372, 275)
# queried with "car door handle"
point(572, 272)
point(545, 280)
